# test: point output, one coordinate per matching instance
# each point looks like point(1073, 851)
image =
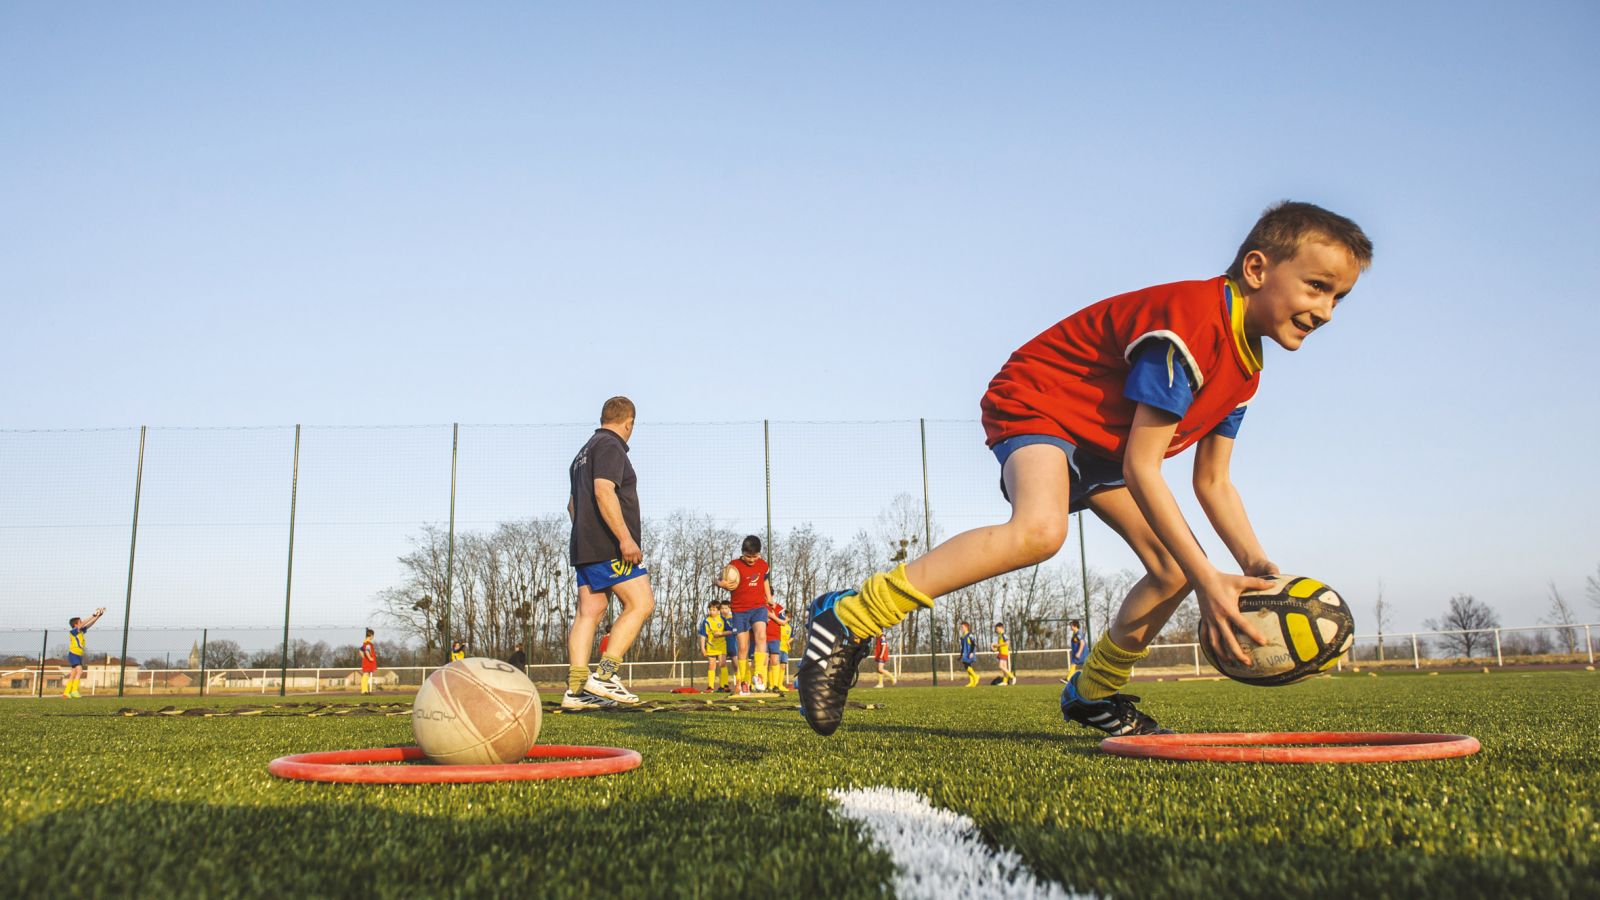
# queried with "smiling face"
point(1288, 300)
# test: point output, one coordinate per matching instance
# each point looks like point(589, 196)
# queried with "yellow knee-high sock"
point(744, 671)
point(774, 673)
point(1107, 669)
point(761, 665)
point(711, 676)
point(972, 677)
point(893, 678)
point(882, 601)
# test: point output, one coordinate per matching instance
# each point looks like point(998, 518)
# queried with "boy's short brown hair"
point(1285, 226)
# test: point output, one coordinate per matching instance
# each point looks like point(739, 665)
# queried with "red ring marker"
point(1267, 747)
point(346, 766)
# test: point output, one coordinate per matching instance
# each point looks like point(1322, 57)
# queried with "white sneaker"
point(758, 684)
point(611, 689)
point(585, 700)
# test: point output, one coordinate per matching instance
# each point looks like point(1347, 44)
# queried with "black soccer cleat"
point(1116, 715)
point(828, 670)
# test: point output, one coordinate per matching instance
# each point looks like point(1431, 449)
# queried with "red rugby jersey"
point(752, 590)
point(1068, 381)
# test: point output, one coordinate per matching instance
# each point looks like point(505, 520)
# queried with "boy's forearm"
point(1225, 510)
point(1161, 510)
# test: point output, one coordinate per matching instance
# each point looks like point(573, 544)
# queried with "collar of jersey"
point(1230, 293)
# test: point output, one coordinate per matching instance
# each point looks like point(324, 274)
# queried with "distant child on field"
point(1002, 654)
point(77, 651)
point(1081, 417)
point(369, 662)
point(1077, 649)
point(880, 654)
point(777, 647)
point(714, 633)
point(969, 654)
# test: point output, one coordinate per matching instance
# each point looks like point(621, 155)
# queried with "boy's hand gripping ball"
point(1307, 627)
point(476, 712)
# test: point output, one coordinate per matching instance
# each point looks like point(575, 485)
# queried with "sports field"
point(731, 803)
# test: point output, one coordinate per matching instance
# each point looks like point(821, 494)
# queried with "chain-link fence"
point(213, 548)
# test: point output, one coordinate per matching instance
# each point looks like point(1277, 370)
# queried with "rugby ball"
point(476, 712)
point(1307, 625)
point(730, 577)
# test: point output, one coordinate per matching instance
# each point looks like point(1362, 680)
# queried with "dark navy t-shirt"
point(605, 456)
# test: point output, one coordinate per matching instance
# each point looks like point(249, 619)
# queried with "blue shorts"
point(774, 646)
point(74, 659)
point(603, 576)
point(783, 657)
point(743, 620)
point(1091, 474)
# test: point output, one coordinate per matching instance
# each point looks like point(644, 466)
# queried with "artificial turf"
point(729, 803)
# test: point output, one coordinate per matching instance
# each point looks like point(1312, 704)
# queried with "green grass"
point(731, 803)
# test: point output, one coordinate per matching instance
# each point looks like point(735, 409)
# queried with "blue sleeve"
point(1159, 378)
point(1229, 427)
point(703, 628)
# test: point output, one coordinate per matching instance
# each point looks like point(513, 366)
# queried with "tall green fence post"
point(450, 547)
point(44, 650)
point(288, 587)
point(927, 544)
point(1083, 570)
point(766, 449)
point(133, 548)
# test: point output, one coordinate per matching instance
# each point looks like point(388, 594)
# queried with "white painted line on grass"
point(939, 853)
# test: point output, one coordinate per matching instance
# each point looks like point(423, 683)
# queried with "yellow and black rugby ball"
point(1307, 625)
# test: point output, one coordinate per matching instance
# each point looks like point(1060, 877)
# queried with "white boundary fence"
point(1414, 647)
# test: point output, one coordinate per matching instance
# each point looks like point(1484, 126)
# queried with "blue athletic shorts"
point(783, 657)
point(772, 646)
point(603, 576)
point(743, 620)
point(74, 659)
point(1091, 474)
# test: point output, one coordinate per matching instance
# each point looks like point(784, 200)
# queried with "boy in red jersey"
point(880, 655)
point(369, 662)
point(745, 578)
point(1081, 417)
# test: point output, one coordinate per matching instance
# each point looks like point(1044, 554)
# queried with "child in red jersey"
point(881, 656)
point(745, 579)
point(369, 662)
point(1081, 417)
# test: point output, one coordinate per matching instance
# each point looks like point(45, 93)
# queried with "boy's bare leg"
point(1038, 480)
point(1153, 598)
point(1148, 606)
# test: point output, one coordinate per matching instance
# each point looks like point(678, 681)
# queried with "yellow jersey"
point(711, 626)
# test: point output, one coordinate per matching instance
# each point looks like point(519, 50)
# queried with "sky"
point(411, 214)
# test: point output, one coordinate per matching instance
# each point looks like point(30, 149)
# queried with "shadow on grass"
point(328, 848)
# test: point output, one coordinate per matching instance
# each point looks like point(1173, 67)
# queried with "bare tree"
point(1562, 616)
point(1384, 616)
point(1467, 621)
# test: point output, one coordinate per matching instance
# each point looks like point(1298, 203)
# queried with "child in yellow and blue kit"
point(714, 631)
point(1081, 417)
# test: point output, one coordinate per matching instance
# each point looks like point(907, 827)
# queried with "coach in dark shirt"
point(604, 505)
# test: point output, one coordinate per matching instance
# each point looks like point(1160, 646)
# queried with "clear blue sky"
point(406, 213)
